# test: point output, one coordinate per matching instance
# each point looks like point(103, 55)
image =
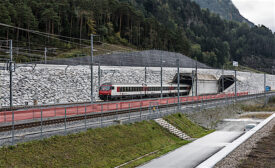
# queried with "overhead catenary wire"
point(49, 35)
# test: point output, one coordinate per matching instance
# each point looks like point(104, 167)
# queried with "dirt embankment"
point(263, 155)
point(255, 152)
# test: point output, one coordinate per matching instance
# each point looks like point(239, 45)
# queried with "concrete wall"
point(51, 84)
point(205, 87)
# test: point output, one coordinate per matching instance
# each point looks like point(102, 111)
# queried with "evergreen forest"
point(172, 25)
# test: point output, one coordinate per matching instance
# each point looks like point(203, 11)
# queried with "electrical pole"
point(178, 64)
point(235, 64)
point(265, 88)
point(10, 69)
point(92, 61)
point(235, 83)
point(222, 78)
point(161, 88)
point(45, 55)
point(193, 82)
point(99, 75)
point(264, 82)
point(196, 77)
point(11, 104)
point(145, 75)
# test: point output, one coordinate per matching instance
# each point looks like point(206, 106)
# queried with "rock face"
point(49, 84)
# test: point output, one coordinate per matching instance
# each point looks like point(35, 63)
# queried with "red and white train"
point(109, 91)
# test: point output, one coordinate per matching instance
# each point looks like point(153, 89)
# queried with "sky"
point(258, 11)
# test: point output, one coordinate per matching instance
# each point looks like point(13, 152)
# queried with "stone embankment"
point(53, 84)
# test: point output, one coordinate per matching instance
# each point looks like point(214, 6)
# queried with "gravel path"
point(239, 154)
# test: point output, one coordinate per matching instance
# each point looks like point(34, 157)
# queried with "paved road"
point(191, 155)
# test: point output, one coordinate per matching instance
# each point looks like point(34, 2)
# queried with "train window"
point(105, 88)
point(113, 87)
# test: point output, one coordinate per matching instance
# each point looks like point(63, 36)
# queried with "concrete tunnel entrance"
point(225, 82)
point(204, 81)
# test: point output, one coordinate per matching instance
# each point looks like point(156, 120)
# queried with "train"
point(114, 91)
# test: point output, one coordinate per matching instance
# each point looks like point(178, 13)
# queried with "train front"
point(105, 91)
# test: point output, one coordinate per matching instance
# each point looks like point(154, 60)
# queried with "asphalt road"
point(191, 155)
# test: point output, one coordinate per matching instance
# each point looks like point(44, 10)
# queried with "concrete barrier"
point(213, 160)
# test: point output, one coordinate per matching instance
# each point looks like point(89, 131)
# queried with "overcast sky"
point(258, 11)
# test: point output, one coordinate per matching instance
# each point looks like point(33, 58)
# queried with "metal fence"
point(21, 126)
point(68, 88)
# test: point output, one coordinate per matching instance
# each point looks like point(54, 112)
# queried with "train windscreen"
point(105, 88)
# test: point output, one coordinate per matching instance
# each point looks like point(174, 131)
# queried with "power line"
point(53, 36)
point(41, 33)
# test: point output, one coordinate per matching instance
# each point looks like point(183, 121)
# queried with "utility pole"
point(222, 78)
point(99, 75)
point(178, 64)
point(11, 104)
point(10, 69)
point(161, 88)
point(265, 88)
point(196, 77)
point(235, 64)
point(45, 55)
point(264, 82)
point(193, 82)
point(145, 74)
point(92, 61)
point(235, 83)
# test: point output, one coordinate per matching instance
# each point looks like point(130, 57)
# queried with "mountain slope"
point(225, 8)
point(171, 25)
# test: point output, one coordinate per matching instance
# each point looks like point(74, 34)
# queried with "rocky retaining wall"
point(50, 84)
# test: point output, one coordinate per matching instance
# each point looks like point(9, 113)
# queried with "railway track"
point(96, 115)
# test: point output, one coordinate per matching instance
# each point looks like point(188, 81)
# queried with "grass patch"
point(260, 107)
point(98, 50)
point(185, 125)
point(103, 147)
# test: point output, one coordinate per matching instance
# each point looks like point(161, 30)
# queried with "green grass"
point(102, 147)
point(254, 108)
point(260, 107)
point(98, 50)
point(185, 125)
point(106, 147)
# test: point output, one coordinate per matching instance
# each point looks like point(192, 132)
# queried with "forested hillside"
point(174, 25)
point(225, 8)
